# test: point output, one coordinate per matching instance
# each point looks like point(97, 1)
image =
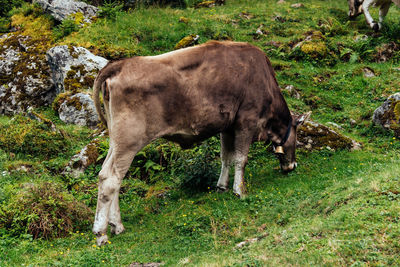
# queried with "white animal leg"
point(110, 178)
point(115, 216)
point(383, 12)
point(227, 143)
point(242, 145)
point(368, 17)
point(239, 186)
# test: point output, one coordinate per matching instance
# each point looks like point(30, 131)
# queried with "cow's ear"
point(303, 118)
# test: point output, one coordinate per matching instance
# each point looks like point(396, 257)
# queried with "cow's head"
point(285, 150)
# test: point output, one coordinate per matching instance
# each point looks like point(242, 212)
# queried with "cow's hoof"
point(240, 195)
point(221, 189)
point(375, 27)
point(117, 229)
point(102, 240)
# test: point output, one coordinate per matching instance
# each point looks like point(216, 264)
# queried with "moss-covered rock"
point(82, 160)
point(388, 114)
point(187, 41)
point(25, 76)
point(73, 68)
point(77, 109)
point(312, 135)
point(64, 9)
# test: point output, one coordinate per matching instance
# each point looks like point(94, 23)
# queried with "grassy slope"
point(335, 209)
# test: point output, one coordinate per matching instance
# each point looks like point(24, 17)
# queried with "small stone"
point(368, 72)
point(297, 5)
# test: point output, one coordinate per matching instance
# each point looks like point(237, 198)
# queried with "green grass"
point(336, 208)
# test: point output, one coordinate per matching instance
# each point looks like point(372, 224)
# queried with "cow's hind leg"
point(227, 152)
point(110, 178)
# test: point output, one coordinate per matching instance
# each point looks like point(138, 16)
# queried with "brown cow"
point(188, 96)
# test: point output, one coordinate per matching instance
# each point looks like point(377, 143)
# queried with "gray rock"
point(62, 9)
point(73, 68)
point(387, 115)
point(79, 109)
point(81, 161)
point(368, 72)
point(25, 76)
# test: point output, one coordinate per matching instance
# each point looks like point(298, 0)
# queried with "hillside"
point(339, 207)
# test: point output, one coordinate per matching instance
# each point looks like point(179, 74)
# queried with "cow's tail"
point(99, 85)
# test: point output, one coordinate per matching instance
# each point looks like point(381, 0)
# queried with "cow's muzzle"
point(289, 167)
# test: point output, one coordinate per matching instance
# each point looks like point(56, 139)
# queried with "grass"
point(337, 208)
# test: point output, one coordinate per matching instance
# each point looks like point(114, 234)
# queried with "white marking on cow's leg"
point(365, 7)
point(110, 178)
point(240, 162)
point(226, 160)
point(115, 216)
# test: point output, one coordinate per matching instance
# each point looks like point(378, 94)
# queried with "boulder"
point(73, 68)
point(388, 114)
point(312, 135)
point(25, 79)
point(78, 109)
point(63, 9)
point(82, 160)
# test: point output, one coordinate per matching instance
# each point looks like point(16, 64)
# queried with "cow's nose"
point(290, 167)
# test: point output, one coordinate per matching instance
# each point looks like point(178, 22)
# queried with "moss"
point(184, 20)
point(60, 98)
point(315, 49)
point(205, 4)
point(187, 41)
point(76, 80)
point(92, 152)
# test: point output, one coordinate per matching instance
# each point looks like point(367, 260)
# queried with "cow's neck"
point(280, 121)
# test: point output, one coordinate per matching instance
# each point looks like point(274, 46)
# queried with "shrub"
point(65, 28)
point(110, 10)
point(43, 210)
point(24, 135)
point(7, 5)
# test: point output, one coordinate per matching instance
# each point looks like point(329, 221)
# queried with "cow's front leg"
point(383, 12)
point(227, 149)
point(242, 145)
point(368, 17)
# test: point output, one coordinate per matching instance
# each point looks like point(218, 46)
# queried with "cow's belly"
point(186, 140)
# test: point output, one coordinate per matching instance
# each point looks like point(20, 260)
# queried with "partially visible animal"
point(357, 7)
point(187, 96)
